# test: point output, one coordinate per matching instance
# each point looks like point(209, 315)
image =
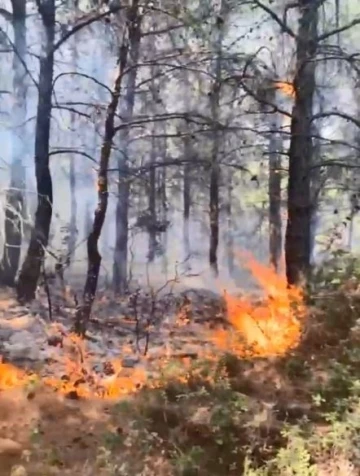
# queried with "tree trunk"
point(187, 201)
point(30, 271)
point(297, 242)
point(73, 232)
point(229, 220)
point(120, 283)
point(275, 222)
point(217, 45)
point(94, 258)
point(214, 215)
point(152, 201)
point(15, 197)
point(163, 206)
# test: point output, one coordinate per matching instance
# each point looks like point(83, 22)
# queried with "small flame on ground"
point(12, 377)
point(74, 376)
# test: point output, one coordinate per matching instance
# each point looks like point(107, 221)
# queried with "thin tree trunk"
point(73, 231)
point(152, 195)
point(163, 205)
point(187, 200)
point(186, 212)
point(297, 242)
point(229, 220)
point(30, 271)
point(214, 166)
point(94, 257)
point(120, 283)
point(152, 201)
point(275, 222)
point(15, 197)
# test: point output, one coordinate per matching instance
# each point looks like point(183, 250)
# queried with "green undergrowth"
point(229, 424)
point(298, 415)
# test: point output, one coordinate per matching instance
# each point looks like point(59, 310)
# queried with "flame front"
point(269, 327)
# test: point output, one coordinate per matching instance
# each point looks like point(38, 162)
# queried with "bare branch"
point(83, 75)
point(284, 27)
point(20, 58)
point(6, 14)
point(87, 22)
point(341, 29)
point(72, 151)
point(342, 115)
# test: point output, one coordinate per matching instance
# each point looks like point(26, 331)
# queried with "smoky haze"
point(85, 68)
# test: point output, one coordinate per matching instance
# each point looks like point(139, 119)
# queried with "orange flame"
point(12, 377)
point(77, 376)
point(269, 327)
point(286, 87)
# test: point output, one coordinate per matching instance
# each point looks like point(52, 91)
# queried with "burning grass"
point(269, 327)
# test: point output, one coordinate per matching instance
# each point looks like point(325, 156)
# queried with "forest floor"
point(209, 412)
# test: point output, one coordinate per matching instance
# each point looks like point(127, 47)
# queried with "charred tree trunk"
point(15, 197)
point(122, 207)
point(94, 257)
point(297, 242)
point(30, 271)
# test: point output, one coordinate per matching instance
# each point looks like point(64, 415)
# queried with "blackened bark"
point(275, 222)
point(14, 211)
point(94, 258)
point(297, 242)
point(120, 283)
point(30, 271)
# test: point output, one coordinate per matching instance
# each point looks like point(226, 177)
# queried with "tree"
point(15, 199)
point(94, 257)
point(31, 267)
point(274, 187)
point(219, 32)
point(123, 189)
point(297, 241)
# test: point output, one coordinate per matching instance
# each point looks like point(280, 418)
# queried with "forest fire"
point(286, 87)
point(75, 376)
point(267, 327)
point(271, 326)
